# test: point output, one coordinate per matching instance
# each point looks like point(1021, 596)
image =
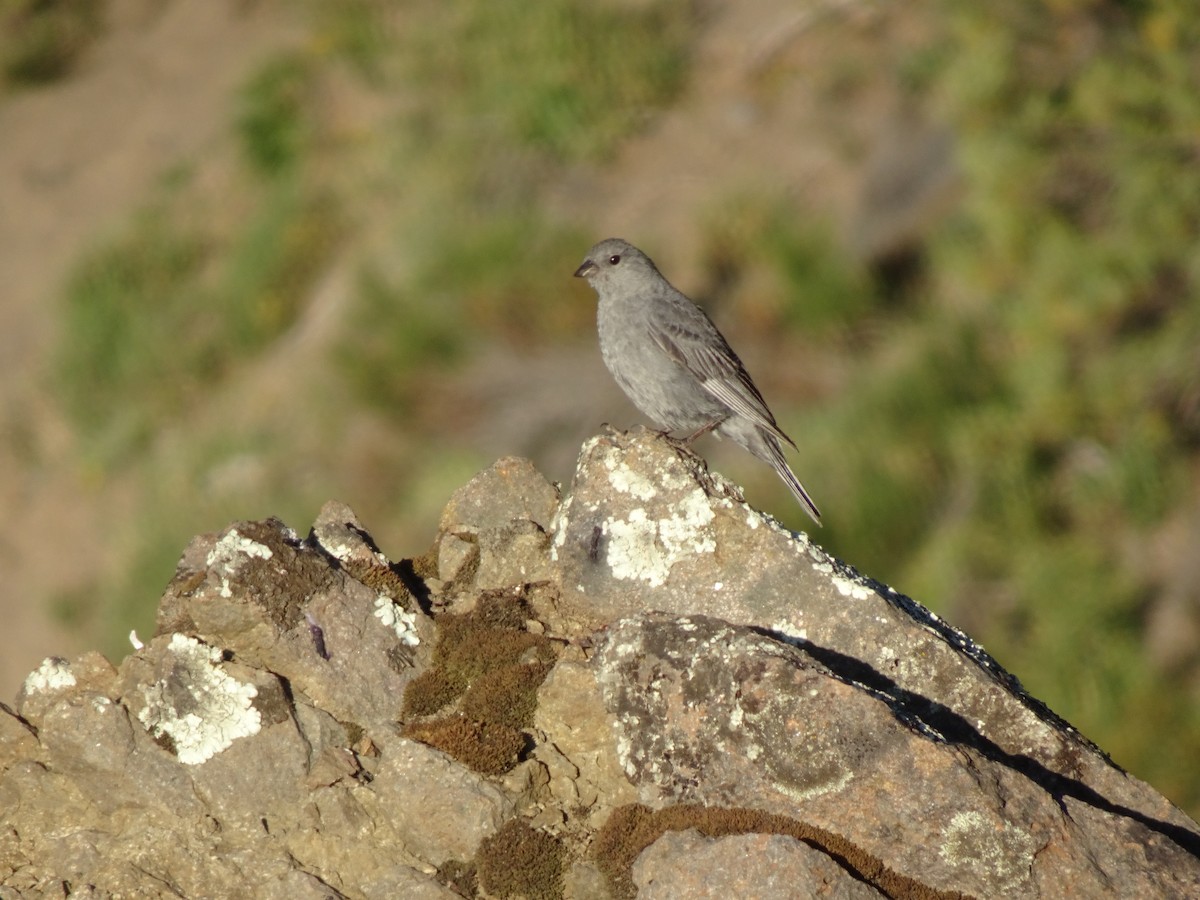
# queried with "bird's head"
point(613, 261)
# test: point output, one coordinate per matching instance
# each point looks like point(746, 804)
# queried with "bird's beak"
point(586, 269)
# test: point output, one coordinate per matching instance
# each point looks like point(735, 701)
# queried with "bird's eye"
point(613, 260)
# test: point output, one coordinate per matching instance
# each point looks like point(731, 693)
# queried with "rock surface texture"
point(644, 688)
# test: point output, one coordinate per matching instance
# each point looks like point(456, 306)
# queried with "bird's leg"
point(701, 431)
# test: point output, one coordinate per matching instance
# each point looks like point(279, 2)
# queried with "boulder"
point(643, 687)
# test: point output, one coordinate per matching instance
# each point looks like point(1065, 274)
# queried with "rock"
point(511, 489)
point(647, 688)
point(682, 865)
point(443, 810)
point(726, 717)
point(580, 751)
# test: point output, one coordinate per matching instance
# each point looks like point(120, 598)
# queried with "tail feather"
point(789, 478)
point(764, 444)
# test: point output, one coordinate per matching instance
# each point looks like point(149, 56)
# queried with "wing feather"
point(692, 341)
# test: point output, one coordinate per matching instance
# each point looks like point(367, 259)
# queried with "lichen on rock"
point(196, 708)
point(618, 688)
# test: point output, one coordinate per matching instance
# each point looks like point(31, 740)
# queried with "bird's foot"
point(613, 432)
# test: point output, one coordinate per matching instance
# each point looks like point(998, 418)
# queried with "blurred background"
point(258, 254)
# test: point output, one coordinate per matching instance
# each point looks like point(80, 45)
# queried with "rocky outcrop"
point(642, 688)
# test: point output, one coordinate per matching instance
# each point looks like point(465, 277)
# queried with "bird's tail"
point(775, 458)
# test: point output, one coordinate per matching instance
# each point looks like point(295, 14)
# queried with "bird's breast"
point(658, 385)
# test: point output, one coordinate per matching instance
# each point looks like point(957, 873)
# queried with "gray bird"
point(671, 361)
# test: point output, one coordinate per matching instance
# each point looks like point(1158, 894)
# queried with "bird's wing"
point(690, 338)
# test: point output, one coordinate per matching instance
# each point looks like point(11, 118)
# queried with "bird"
point(673, 363)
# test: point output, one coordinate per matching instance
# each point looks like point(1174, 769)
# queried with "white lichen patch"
point(338, 551)
point(642, 549)
point(54, 674)
point(627, 481)
point(233, 545)
point(687, 528)
point(559, 523)
point(633, 553)
point(737, 716)
point(228, 553)
point(343, 551)
point(756, 518)
point(395, 617)
point(849, 588)
point(991, 847)
point(789, 632)
point(198, 706)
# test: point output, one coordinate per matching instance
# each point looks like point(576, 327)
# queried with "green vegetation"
point(599, 71)
point(505, 277)
point(40, 40)
point(763, 256)
point(1016, 430)
point(1006, 439)
point(162, 311)
point(121, 317)
point(271, 121)
point(1013, 455)
point(1076, 250)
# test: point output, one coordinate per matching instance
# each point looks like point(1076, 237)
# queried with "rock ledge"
point(642, 688)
